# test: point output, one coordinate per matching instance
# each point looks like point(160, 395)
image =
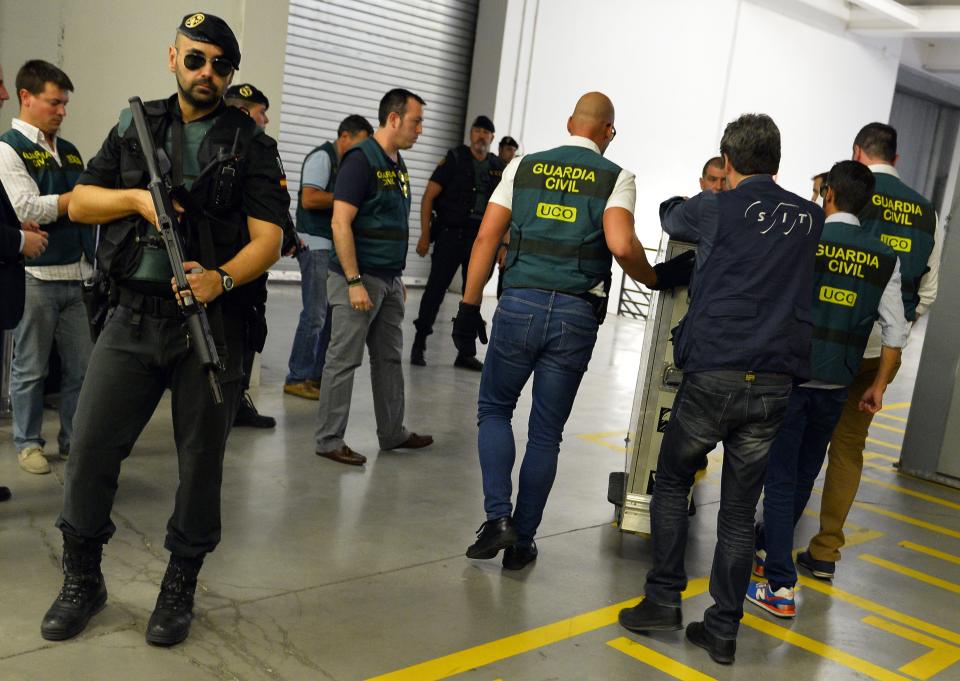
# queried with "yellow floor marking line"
point(910, 572)
point(892, 417)
point(657, 660)
point(861, 537)
point(920, 548)
point(877, 609)
point(941, 655)
point(913, 493)
point(875, 441)
point(886, 427)
point(524, 642)
point(940, 529)
point(822, 649)
point(895, 405)
point(601, 439)
point(878, 455)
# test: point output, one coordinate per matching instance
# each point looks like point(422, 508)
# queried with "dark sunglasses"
point(195, 61)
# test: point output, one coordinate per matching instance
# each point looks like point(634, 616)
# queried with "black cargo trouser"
point(451, 251)
point(126, 377)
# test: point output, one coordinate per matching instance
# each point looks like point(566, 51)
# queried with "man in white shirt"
point(907, 222)
point(570, 212)
point(38, 170)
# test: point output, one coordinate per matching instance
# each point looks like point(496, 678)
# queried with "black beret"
point(207, 28)
point(484, 122)
point(508, 141)
point(248, 92)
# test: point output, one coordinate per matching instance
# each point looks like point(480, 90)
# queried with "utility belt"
point(145, 304)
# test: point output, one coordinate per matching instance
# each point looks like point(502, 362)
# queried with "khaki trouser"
point(844, 466)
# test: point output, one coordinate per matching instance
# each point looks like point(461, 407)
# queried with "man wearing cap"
point(231, 198)
point(371, 227)
point(249, 99)
point(450, 215)
point(508, 149)
point(318, 176)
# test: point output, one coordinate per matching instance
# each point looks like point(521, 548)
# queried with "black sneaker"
point(416, 357)
point(518, 556)
point(492, 536)
point(247, 415)
point(722, 650)
point(821, 569)
point(471, 363)
point(650, 616)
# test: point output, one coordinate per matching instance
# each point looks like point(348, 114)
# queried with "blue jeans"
point(53, 310)
point(796, 457)
point(310, 342)
point(550, 335)
point(744, 414)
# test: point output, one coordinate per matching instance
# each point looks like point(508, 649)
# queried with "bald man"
point(570, 212)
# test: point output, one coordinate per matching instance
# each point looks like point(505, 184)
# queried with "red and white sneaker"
point(780, 602)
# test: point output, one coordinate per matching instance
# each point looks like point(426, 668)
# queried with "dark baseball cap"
point(484, 122)
point(508, 141)
point(248, 92)
point(207, 28)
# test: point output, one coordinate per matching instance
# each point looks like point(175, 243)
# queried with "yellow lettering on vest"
point(561, 172)
point(838, 296)
point(561, 185)
point(36, 158)
point(897, 243)
point(73, 159)
point(554, 211)
point(387, 178)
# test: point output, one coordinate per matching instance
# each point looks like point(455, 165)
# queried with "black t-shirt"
point(264, 190)
point(353, 186)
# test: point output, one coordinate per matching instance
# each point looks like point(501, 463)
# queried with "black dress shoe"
point(247, 415)
point(650, 616)
point(518, 556)
point(471, 363)
point(821, 569)
point(722, 650)
point(170, 622)
point(492, 536)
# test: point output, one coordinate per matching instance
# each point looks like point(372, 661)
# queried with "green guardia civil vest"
point(381, 226)
point(853, 267)
point(556, 232)
point(317, 222)
point(68, 240)
point(906, 222)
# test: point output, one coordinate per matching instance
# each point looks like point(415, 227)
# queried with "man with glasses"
point(450, 215)
point(231, 197)
point(371, 210)
point(857, 282)
point(556, 281)
point(39, 169)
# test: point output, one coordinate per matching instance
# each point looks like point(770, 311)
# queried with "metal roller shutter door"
point(343, 55)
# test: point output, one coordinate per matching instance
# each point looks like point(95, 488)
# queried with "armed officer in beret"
point(231, 190)
point(456, 195)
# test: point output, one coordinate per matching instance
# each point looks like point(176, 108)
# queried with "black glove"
point(675, 271)
point(468, 325)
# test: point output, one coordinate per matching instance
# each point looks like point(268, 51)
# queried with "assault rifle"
point(160, 187)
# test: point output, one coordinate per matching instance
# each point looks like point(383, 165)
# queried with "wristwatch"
point(226, 280)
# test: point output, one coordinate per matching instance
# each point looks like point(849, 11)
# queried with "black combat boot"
point(419, 346)
point(83, 594)
point(170, 622)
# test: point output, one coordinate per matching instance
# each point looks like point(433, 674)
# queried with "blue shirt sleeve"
point(316, 171)
point(695, 220)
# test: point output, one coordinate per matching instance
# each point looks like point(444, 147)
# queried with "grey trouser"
point(380, 328)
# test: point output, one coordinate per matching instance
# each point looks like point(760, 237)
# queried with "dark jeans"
point(125, 380)
point(549, 335)
point(451, 252)
point(712, 407)
point(796, 457)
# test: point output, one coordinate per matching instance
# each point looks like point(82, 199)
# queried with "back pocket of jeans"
point(510, 335)
point(576, 345)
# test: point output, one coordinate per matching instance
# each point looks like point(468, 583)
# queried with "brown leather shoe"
point(344, 455)
point(304, 390)
point(415, 442)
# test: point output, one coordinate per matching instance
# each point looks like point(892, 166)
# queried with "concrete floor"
point(331, 572)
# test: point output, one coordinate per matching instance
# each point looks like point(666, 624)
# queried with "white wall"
point(677, 72)
point(113, 50)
